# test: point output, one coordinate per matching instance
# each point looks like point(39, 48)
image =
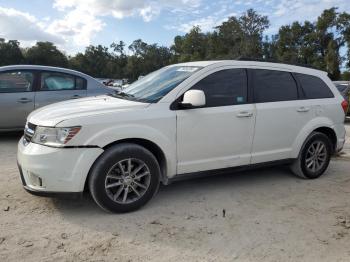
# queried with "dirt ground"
point(270, 215)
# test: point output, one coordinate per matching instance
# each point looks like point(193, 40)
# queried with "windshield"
point(156, 85)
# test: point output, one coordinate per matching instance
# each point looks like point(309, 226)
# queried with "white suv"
point(183, 120)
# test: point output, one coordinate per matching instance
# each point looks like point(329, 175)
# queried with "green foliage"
point(320, 43)
point(10, 53)
point(345, 76)
point(45, 53)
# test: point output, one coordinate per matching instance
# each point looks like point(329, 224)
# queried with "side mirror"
point(193, 98)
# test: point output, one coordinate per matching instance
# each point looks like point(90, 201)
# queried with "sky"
point(74, 24)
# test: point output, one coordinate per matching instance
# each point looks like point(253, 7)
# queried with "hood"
point(51, 115)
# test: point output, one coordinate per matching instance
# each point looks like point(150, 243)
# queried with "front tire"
point(124, 178)
point(314, 157)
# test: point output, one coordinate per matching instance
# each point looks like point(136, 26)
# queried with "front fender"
point(166, 142)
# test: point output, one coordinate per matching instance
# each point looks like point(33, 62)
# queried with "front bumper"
point(54, 171)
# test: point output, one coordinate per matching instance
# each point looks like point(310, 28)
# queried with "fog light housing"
point(35, 180)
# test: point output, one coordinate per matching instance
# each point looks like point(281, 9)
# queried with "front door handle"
point(75, 97)
point(244, 114)
point(303, 109)
point(24, 100)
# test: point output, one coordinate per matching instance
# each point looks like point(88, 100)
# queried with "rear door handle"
point(303, 109)
point(244, 114)
point(24, 100)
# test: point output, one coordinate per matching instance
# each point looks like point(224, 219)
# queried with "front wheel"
point(124, 178)
point(314, 156)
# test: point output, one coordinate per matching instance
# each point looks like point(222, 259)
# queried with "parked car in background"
point(24, 88)
point(344, 88)
point(181, 121)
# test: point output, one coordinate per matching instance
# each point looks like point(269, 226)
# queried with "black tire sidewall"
point(109, 158)
point(315, 137)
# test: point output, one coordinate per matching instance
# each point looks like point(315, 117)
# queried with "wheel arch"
point(324, 127)
point(149, 145)
point(330, 133)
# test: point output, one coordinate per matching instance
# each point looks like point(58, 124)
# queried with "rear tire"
point(314, 157)
point(124, 178)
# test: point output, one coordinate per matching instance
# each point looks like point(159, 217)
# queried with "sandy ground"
point(270, 215)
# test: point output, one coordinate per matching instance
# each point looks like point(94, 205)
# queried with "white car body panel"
point(214, 138)
point(191, 140)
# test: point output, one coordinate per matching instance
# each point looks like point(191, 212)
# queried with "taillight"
point(345, 105)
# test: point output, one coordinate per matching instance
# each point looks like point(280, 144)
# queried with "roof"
point(40, 67)
point(271, 65)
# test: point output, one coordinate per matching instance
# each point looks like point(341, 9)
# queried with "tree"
point(45, 53)
point(96, 61)
point(146, 58)
point(229, 39)
point(10, 53)
point(323, 43)
point(332, 30)
point(252, 26)
point(191, 47)
point(296, 43)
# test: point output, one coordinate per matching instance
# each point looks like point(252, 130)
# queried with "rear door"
point(16, 98)
point(57, 86)
point(280, 114)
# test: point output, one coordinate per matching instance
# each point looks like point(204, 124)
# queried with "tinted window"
point(272, 86)
point(313, 87)
point(80, 83)
point(341, 88)
point(223, 88)
point(53, 81)
point(16, 81)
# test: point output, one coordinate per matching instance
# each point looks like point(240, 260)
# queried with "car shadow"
point(191, 190)
point(10, 136)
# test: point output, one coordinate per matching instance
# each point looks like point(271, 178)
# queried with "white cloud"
point(279, 12)
point(76, 26)
point(24, 27)
point(124, 8)
point(287, 11)
point(206, 24)
point(76, 23)
point(83, 18)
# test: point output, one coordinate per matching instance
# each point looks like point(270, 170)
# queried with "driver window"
point(224, 88)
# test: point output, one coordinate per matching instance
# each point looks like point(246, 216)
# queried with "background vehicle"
point(183, 120)
point(24, 88)
point(344, 88)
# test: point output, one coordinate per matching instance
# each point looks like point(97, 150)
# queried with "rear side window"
point(314, 87)
point(54, 81)
point(273, 86)
point(224, 88)
point(16, 81)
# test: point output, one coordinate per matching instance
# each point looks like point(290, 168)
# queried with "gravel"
point(261, 215)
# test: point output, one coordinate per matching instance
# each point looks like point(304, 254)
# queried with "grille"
point(29, 131)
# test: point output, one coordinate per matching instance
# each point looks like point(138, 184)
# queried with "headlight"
point(54, 136)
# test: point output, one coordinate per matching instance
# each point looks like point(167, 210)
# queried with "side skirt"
point(185, 176)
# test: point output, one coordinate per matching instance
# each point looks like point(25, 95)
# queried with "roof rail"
point(276, 61)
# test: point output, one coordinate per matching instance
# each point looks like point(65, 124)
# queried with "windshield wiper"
point(121, 94)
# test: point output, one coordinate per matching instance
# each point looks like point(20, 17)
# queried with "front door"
point(220, 134)
point(57, 86)
point(16, 98)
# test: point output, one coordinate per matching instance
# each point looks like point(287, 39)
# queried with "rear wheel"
point(124, 178)
point(314, 156)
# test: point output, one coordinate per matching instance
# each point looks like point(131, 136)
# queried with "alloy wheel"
point(316, 156)
point(127, 181)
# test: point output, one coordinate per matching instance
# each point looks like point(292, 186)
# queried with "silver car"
point(24, 88)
